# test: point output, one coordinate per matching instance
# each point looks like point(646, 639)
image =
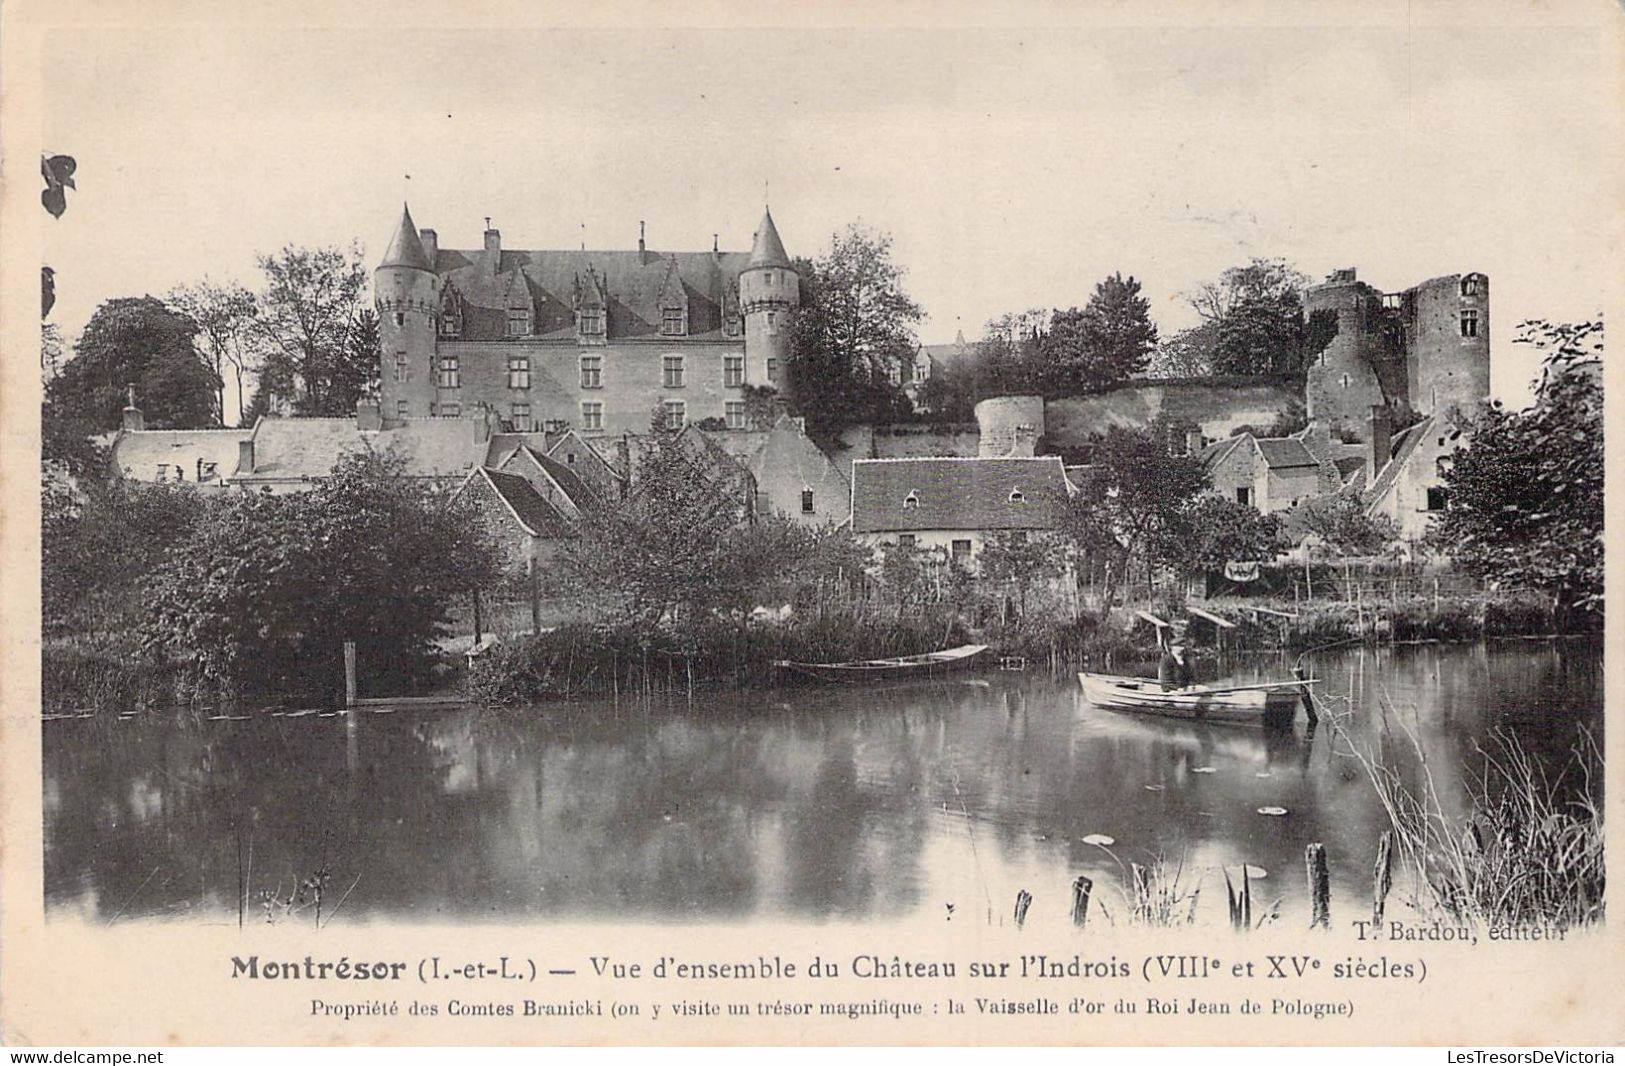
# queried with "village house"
point(1404, 481)
point(950, 506)
point(1268, 473)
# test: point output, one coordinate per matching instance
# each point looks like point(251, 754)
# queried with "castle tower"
point(1342, 383)
point(769, 293)
point(1448, 342)
point(406, 291)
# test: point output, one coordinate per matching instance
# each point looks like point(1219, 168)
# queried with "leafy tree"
point(310, 312)
point(1187, 354)
point(1526, 492)
point(1260, 281)
point(1213, 530)
point(1344, 529)
point(853, 334)
point(228, 335)
point(1254, 322)
point(140, 341)
point(1130, 503)
point(1012, 557)
point(263, 591)
point(1109, 340)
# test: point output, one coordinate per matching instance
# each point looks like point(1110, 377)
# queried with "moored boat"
point(1269, 701)
point(880, 669)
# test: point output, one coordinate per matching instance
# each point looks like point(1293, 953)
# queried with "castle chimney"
point(1194, 442)
point(1023, 441)
point(368, 415)
point(134, 421)
point(1380, 438)
point(245, 456)
point(493, 239)
point(431, 244)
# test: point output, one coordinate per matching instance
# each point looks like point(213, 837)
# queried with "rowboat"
point(1268, 701)
point(931, 662)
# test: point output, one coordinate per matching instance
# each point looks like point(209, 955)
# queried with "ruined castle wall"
point(1217, 409)
point(1341, 385)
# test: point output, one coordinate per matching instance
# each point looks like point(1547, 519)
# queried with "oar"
point(1202, 690)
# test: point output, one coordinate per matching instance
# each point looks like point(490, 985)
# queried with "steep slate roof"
point(304, 448)
point(1219, 450)
point(1404, 447)
point(538, 517)
point(632, 280)
point(953, 494)
point(405, 248)
point(578, 491)
point(140, 452)
point(767, 250)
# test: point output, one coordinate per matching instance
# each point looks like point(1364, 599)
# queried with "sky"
point(1014, 165)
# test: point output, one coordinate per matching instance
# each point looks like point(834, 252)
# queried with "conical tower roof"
point(405, 249)
point(768, 250)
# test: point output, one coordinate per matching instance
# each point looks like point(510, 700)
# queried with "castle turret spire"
point(406, 248)
point(768, 249)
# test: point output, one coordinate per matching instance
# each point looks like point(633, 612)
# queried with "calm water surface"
point(873, 803)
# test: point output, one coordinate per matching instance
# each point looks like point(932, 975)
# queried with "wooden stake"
point(1320, 887)
point(1024, 899)
point(349, 673)
point(1081, 887)
point(1383, 879)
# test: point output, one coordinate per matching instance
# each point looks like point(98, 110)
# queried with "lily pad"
point(1099, 840)
point(1274, 812)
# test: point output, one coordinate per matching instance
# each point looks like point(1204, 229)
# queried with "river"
point(880, 803)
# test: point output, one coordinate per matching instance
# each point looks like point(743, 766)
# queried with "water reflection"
point(841, 804)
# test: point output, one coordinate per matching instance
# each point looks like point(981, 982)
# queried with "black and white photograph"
point(1021, 524)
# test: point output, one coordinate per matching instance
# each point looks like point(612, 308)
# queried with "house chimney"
point(431, 244)
point(245, 456)
point(1023, 441)
point(368, 415)
point(1194, 442)
point(1380, 438)
point(493, 240)
point(640, 237)
point(134, 421)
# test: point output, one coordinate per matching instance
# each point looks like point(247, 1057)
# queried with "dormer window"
point(1017, 496)
point(911, 500)
point(731, 325)
point(592, 322)
point(449, 326)
point(518, 322)
point(673, 322)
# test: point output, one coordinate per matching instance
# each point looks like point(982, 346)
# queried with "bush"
point(104, 677)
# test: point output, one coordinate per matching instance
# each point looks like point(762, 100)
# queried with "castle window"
point(770, 277)
point(450, 373)
point(731, 325)
point(772, 369)
point(518, 322)
point(772, 323)
point(592, 414)
point(676, 414)
point(448, 326)
point(1469, 285)
point(400, 319)
point(592, 371)
point(736, 414)
point(673, 322)
point(911, 500)
point(806, 501)
point(1345, 381)
point(402, 409)
point(733, 370)
point(401, 367)
point(518, 371)
point(521, 417)
point(451, 410)
point(592, 322)
point(1469, 323)
point(672, 371)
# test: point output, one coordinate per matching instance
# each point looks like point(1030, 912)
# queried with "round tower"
point(1341, 383)
point(769, 293)
point(406, 291)
point(1009, 425)
point(1449, 339)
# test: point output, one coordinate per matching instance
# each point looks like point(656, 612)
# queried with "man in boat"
point(1174, 668)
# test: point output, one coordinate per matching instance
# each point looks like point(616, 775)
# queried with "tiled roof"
point(1403, 447)
point(405, 248)
point(632, 280)
point(539, 517)
point(957, 494)
point(138, 454)
point(1284, 452)
point(301, 448)
point(578, 491)
point(1215, 453)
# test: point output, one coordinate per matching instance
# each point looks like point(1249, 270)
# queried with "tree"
point(262, 592)
point(1109, 340)
point(310, 310)
point(853, 335)
point(139, 341)
point(1213, 530)
point(1254, 322)
point(1187, 354)
point(1526, 492)
point(1131, 498)
point(1012, 557)
point(1344, 529)
point(228, 336)
point(1262, 280)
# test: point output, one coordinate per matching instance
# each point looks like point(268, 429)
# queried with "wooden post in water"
point(1383, 879)
point(349, 673)
point(1320, 887)
point(1024, 899)
point(1081, 887)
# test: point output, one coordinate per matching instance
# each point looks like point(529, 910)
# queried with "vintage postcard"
point(725, 523)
